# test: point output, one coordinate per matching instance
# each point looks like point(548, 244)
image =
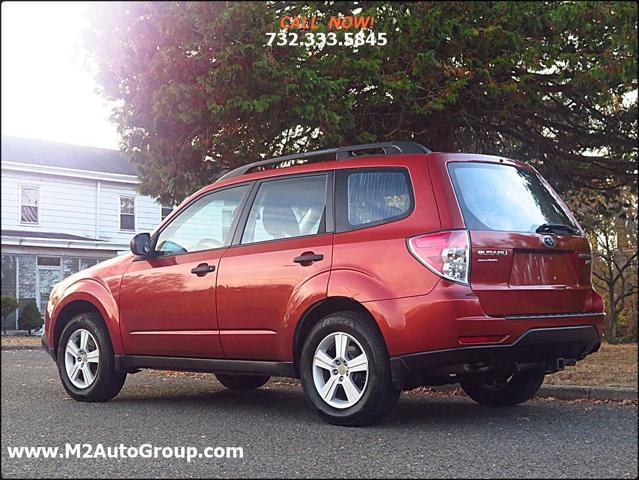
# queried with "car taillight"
point(445, 253)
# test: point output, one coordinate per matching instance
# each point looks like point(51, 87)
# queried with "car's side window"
point(373, 196)
point(203, 225)
point(286, 208)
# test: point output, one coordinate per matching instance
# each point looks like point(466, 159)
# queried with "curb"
point(21, 347)
point(568, 392)
point(597, 393)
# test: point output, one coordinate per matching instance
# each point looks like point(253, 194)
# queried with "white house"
point(65, 208)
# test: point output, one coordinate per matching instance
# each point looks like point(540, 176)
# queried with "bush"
point(9, 305)
point(30, 317)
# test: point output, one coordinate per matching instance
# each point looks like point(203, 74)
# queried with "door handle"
point(202, 269)
point(307, 258)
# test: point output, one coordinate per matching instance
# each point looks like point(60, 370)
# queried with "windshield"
point(504, 198)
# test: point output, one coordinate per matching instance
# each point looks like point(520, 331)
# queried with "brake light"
point(445, 253)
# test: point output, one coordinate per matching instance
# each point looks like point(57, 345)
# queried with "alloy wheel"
point(82, 358)
point(340, 370)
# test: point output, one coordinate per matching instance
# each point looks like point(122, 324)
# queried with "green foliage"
point(198, 92)
point(627, 329)
point(8, 306)
point(30, 317)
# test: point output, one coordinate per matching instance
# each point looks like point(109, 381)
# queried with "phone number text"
point(321, 39)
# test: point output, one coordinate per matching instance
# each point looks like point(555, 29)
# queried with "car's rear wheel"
point(504, 390)
point(242, 382)
point(345, 371)
point(86, 362)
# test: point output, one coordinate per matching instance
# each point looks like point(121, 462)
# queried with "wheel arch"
point(70, 310)
point(321, 309)
point(83, 297)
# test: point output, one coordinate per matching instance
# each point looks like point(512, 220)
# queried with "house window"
point(29, 204)
point(166, 211)
point(87, 262)
point(127, 212)
point(48, 261)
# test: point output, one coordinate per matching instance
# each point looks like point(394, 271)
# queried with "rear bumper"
point(451, 317)
point(546, 348)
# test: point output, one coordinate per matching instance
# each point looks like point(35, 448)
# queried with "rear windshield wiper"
point(557, 228)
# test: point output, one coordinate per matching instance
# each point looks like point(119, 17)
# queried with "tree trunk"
point(612, 330)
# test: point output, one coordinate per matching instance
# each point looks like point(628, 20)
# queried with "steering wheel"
point(206, 243)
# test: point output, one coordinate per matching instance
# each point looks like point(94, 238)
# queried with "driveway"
point(427, 435)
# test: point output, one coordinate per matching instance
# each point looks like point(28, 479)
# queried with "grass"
point(21, 341)
point(611, 366)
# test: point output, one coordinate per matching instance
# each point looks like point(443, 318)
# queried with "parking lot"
point(427, 435)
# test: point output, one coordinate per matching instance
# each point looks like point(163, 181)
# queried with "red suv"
point(363, 270)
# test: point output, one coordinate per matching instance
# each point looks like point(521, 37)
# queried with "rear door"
point(528, 253)
point(278, 258)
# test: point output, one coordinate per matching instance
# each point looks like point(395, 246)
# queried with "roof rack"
point(340, 153)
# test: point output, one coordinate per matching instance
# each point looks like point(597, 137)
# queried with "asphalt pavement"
point(427, 435)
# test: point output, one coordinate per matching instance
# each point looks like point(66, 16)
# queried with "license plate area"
point(535, 268)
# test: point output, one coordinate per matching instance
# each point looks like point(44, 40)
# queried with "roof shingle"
point(53, 235)
point(54, 154)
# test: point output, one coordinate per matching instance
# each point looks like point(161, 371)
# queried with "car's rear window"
point(504, 198)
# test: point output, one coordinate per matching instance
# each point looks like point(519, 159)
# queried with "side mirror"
point(141, 244)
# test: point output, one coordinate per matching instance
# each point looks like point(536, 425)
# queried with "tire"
point(107, 381)
point(374, 395)
point(519, 388)
point(242, 382)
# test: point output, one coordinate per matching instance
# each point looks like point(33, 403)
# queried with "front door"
point(282, 249)
point(167, 300)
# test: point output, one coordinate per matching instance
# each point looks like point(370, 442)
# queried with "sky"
point(47, 90)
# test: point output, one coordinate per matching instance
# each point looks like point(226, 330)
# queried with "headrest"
point(280, 221)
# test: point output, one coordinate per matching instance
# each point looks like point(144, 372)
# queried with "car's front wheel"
point(504, 390)
point(86, 362)
point(345, 371)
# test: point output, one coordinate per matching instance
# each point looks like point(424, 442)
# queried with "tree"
point(30, 317)
point(617, 275)
point(612, 221)
point(8, 306)
point(198, 92)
